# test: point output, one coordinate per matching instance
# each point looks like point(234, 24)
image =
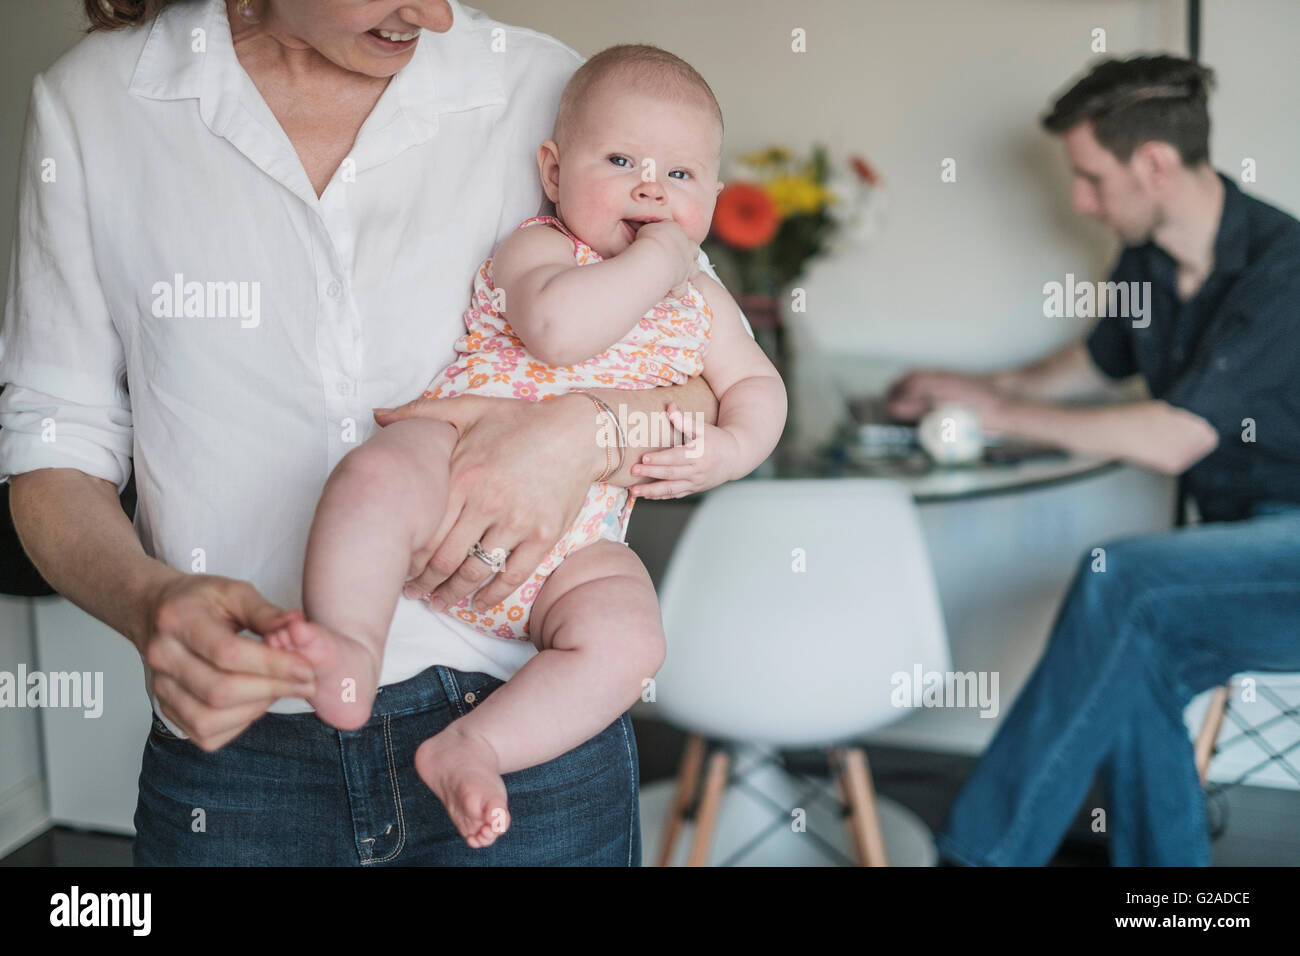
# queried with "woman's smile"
point(390, 42)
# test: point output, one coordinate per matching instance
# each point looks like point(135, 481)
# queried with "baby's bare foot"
point(347, 671)
point(464, 772)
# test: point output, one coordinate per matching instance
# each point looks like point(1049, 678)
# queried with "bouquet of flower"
point(778, 212)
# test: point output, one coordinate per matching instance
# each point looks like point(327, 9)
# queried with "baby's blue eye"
point(617, 159)
point(682, 171)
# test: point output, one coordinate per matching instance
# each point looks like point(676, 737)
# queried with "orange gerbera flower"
point(745, 216)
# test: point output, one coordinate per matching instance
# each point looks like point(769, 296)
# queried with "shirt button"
point(343, 388)
point(1221, 364)
point(334, 290)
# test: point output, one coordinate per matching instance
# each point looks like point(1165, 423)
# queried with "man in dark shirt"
point(1205, 306)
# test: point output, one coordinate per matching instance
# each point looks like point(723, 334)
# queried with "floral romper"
point(665, 348)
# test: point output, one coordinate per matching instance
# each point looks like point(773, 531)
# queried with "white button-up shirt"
point(180, 298)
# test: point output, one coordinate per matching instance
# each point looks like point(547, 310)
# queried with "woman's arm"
point(67, 434)
point(520, 473)
point(210, 681)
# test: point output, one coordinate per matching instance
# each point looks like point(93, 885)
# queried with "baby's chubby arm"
point(565, 313)
point(751, 412)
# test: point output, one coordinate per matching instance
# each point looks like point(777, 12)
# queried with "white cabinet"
point(92, 764)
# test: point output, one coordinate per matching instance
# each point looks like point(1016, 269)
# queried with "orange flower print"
point(539, 372)
point(515, 612)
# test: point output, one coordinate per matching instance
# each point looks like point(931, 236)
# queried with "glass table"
point(1003, 469)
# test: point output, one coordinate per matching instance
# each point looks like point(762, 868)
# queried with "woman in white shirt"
point(242, 225)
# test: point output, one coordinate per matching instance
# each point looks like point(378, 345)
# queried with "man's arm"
point(1153, 434)
point(1068, 372)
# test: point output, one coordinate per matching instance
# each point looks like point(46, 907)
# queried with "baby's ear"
point(548, 167)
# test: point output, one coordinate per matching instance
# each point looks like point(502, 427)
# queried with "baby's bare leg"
point(597, 625)
point(382, 503)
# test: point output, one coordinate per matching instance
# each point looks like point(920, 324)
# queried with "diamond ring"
point(494, 559)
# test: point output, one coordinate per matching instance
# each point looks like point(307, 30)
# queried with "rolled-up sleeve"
point(65, 402)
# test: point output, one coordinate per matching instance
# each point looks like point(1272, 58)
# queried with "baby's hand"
point(707, 460)
point(671, 238)
point(679, 290)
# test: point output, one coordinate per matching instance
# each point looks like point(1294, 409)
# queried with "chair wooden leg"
point(1205, 740)
point(715, 785)
point(837, 771)
point(688, 782)
point(864, 820)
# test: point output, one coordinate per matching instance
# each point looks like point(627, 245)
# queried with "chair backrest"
point(790, 609)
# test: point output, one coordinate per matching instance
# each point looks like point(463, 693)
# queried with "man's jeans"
point(1173, 614)
point(291, 790)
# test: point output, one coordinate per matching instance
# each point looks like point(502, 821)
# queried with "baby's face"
point(635, 158)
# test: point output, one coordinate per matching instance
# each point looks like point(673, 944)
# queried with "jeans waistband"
point(433, 688)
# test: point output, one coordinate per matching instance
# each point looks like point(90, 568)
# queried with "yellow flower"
point(796, 195)
point(771, 157)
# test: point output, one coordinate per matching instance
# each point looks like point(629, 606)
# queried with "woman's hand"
point(706, 460)
point(210, 680)
point(519, 478)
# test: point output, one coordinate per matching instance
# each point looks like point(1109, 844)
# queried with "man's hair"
point(1131, 102)
point(648, 69)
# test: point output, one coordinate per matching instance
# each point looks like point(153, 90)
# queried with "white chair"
point(789, 607)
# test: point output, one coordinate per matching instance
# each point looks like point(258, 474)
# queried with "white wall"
point(956, 276)
point(1251, 44)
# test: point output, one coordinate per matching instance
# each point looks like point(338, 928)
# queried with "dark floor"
point(1261, 828)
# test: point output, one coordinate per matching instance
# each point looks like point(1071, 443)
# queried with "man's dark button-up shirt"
point(1230, 354)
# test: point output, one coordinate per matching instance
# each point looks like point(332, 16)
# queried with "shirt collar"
point(1232, 240)
point(449, 72)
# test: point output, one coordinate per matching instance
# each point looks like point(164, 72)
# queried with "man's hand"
point(210, 680)
point(706, 460)
point(515, 484)
point(920, 390)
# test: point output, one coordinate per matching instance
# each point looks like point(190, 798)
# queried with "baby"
point(606, 294)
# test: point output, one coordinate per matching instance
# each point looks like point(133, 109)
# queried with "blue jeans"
point(1173, 614)
point(291, 790)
